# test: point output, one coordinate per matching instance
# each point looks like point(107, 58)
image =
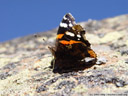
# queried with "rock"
point(110, 37)
point(101, 60)
point(25, 63)
point(124, 52)
point(126, 61)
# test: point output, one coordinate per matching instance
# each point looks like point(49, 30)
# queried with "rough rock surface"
point(24, 63)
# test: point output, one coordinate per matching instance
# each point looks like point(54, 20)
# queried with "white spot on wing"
point(70, 25)
point(78, 36)
point(64, 18)
point(63, 25)
point(70, 34)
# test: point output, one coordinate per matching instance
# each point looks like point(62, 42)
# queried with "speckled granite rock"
point(24, 63)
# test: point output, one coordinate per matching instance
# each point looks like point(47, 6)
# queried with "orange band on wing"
point(59, 36)
point(92, 53)
point(69, 42)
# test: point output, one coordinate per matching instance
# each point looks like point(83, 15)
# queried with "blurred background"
point(23, 17)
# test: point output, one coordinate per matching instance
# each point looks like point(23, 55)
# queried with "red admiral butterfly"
point(71, 46)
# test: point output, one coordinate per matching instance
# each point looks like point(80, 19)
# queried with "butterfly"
point(71, 46)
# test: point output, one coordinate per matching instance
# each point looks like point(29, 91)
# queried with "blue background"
point(23, 17)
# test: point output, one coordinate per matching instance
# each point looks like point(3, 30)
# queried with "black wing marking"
point(67, 22)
